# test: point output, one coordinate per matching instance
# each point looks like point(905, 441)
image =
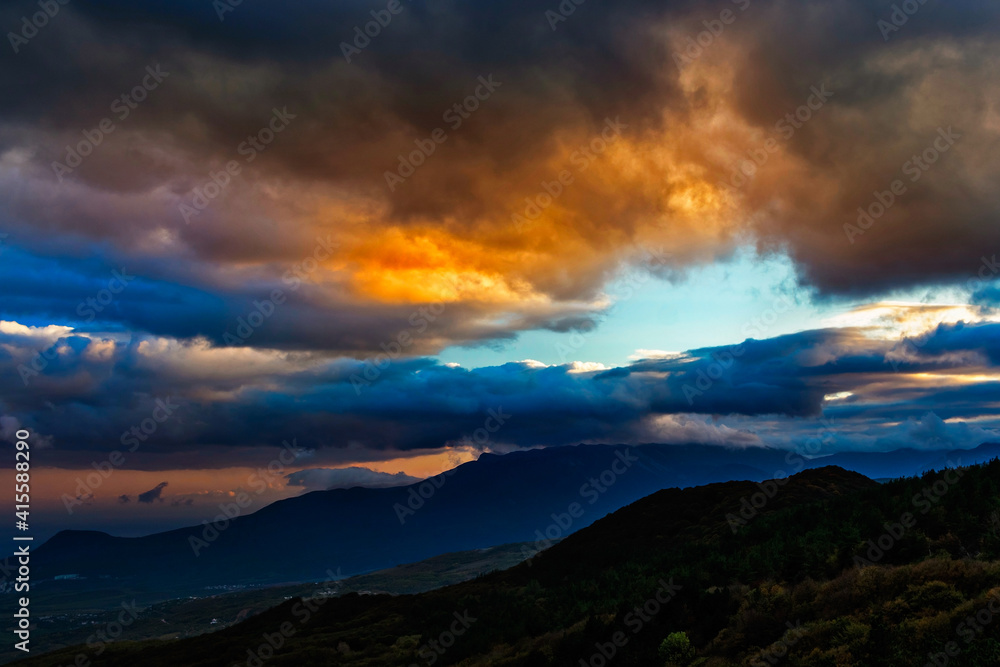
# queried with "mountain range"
point(538, 496)
point(834, 569)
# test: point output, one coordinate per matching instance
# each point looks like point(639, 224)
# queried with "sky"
point(252, 235)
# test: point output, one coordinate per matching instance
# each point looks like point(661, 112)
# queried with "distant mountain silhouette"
point(834, 569)
point(494, 500)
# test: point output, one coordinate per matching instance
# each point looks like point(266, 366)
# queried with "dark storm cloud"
point(606, 59)
point(948, 338)
point(209, 402)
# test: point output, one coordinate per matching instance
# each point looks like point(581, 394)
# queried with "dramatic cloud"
point(311, 213)
point(210, 404)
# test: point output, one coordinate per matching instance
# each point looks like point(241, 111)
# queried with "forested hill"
point(825, 568)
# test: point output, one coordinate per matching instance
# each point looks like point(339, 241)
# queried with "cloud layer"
point(321, 479)
point(192, 404)
point(711, 151)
